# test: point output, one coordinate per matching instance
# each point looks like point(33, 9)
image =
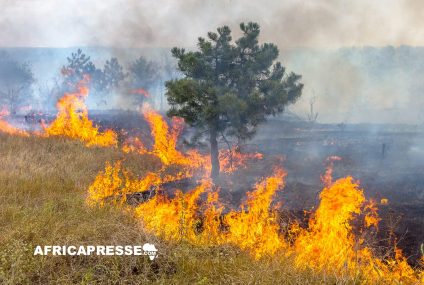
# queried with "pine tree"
point(228, 87)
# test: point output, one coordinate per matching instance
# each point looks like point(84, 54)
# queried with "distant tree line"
point(16, 80)
point(18, 83)
point(135, 82)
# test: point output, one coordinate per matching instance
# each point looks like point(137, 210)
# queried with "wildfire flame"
point(6, 127)
point(165, 139)
point(254, 228)
point(165, 148)
point(328, 244)
point(72, 120)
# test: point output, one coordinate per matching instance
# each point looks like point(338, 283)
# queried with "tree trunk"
point(214, 154)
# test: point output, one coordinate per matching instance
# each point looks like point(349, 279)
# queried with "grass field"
point(43, 184)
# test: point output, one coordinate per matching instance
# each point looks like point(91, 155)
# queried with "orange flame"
point(173, 219)
point(7, 128)
point(327, 178)
point(328, 244)
point(165, 148)
point(255, 227)
point(165, 140)
point(72, 120)
point(115, 182)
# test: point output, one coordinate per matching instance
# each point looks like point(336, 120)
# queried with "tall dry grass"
point(43, 183)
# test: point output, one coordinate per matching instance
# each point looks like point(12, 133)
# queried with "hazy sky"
point(343, 91)
point(139, 23)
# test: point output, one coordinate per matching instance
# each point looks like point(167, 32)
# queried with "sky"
point(343, 91)
point(152, 23)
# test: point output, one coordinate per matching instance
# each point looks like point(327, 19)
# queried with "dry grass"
point(43, 184)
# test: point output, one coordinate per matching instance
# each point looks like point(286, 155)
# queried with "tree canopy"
point(230, 87)
point(113, 74)
point(78, 66)
point(102, 81)
point(144, 74)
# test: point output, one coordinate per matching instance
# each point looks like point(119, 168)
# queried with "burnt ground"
point(388, 161)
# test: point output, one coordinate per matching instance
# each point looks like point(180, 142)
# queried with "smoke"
point(133, 23)
point(343, 91)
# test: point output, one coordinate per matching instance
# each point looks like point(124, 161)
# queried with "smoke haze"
point(321, 23)
point(312, 36)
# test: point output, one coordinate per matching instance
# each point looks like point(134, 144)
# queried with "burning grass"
point(328, 245)
point(72, 120)
point(193, 221)
point(42, 201)
point(6, 127)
